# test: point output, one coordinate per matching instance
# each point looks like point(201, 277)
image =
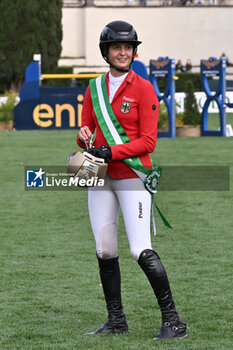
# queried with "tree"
point(192, 116)
point(28, 27)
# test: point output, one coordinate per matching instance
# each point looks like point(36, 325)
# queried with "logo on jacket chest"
point(125, 107)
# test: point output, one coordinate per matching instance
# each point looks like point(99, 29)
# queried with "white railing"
point(148, 3)
point(175, 3)
point(74, 3)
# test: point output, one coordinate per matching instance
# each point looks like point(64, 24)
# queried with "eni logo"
point(44, 115)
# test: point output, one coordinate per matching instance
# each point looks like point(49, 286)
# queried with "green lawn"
point(50, 292)
point(214, 121)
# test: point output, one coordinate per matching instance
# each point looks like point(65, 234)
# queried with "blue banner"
point(56, 108)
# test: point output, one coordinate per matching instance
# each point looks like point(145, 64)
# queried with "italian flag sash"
point(115, 135)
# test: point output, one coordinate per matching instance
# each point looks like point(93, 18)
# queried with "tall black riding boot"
point(111, 282)
point(172, 325)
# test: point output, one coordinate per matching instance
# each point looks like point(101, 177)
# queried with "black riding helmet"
point(118, 31)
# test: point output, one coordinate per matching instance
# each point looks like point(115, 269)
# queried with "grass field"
point(50, 292)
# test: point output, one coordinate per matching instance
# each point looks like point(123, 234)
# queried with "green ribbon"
point(166, 223)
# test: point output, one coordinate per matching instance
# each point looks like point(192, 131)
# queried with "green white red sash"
point(115, 135)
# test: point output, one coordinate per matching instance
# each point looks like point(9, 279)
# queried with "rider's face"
point(120, 54)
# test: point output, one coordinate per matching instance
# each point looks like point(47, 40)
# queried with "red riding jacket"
point(136, 106)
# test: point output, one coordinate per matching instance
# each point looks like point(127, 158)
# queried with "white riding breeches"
point(105, 203)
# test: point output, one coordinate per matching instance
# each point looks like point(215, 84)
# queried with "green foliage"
point(163, 116)
point(179, 119)
point(85, 81)
point(7, 109)
point(192, 116)
point(28, 27)
point(59, 82)
point(4, 85)
point(180, 82)
point(184, 77)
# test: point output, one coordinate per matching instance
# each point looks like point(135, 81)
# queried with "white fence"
point(201, 98)
point(149, 3)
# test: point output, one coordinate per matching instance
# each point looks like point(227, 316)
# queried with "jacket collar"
point(130, 76)
point(128, 80)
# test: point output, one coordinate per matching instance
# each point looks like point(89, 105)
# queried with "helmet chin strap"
point(119, 69)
